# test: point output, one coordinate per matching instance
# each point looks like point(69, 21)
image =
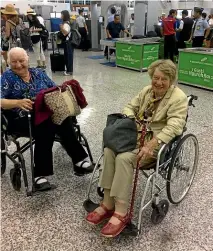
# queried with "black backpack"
point(44, 33)
point(21, 35)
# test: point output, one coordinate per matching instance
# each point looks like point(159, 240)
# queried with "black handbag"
point(120, 134)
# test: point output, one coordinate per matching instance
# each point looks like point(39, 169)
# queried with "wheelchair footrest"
point(89, 205)
point(130, 230)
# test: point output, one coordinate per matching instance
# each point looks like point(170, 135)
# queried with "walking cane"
point(142, 140)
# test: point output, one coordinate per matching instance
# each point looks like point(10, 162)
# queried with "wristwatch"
point(159, 141)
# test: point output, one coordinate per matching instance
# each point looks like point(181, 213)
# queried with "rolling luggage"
point(57, 60)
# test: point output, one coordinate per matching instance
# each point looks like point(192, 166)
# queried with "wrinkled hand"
point(25, 104)
point(144, 153)
point(148, 150)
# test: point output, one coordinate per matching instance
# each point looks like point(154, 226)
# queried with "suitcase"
point(57, 60)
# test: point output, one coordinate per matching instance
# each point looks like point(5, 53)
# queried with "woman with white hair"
point(19, 87)
point(164, 106)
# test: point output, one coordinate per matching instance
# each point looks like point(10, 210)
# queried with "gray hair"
point(14, 51)
point(166, 66)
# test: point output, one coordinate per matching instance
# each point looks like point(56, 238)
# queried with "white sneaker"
point(68, 73)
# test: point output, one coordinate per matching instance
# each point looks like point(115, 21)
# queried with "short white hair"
point(14, 51)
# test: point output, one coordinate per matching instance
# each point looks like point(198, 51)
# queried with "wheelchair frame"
point(18, 153)
point(161, 168)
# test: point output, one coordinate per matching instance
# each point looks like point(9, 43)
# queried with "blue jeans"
point(68, 55)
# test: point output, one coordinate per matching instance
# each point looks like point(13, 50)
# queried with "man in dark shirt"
point(185, 29)
point(113, 30)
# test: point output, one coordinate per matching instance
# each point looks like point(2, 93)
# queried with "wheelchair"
point(176, 164)
point(17, 157)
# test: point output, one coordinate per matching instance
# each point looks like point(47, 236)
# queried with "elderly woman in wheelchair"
point(165, 108)
point(19, 86)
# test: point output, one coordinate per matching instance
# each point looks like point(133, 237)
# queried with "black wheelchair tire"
point(100, 191)
point(156, 216)
point(172, 165)
point(3, 157)
point(15, 178)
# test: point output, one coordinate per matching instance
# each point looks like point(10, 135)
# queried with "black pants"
point(181, 44)
point(110, 51)
point(197, 42)
point(68, 56)
point(44, 135)
point(83, 33)
point(169, 47)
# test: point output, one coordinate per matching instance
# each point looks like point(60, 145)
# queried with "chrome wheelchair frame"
point(17, 156)
point(168, 160)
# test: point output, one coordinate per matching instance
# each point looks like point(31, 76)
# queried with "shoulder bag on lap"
point(120, 134)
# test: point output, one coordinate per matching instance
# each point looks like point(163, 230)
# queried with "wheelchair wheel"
point(159, 212)
point(182, 168)
point(15, 177)
point(100, 191)
point(3, 157)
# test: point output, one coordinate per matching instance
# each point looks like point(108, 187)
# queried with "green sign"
point(129, 55)
point(150, 54)
point(196, 68)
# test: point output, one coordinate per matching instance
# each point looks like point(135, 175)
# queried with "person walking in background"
point(199, 29)
point(168, 32)
point(185, 29)
point(36, 27)
point(82, 27)
point(66, 30)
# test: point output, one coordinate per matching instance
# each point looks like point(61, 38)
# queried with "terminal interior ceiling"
point(111, 72)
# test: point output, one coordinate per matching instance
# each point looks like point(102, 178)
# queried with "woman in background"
point(36, 27)
point(11, 19)
point(66, 29)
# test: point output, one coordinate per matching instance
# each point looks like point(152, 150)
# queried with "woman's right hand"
point(25, 104)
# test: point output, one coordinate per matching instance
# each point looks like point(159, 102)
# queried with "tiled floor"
point(54, 221)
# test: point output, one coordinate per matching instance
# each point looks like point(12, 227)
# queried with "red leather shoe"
point(110, 230)
point(94, 218)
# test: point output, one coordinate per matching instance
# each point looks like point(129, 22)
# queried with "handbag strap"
point(71, 91)
point(142, 141)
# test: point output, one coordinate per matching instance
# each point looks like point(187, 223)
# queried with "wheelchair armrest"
point(168, 149)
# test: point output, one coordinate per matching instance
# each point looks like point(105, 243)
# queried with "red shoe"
point(110, 230)
point(95, 218)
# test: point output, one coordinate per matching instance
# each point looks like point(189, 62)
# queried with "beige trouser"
point(118, 170)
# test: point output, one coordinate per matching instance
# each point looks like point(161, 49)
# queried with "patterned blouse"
point(14, 87)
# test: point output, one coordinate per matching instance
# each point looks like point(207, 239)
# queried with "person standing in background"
point(3, 32)
point(199, 29)
point(209, 42)
point(211, 21)
point(111, 17)
point(83, 30)
point(66, 29)
point(168, 32)
point(36, 27)
point(185, 29)
point(204, 15)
